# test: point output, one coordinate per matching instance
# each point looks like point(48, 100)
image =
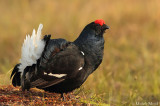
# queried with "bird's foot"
point(71, 96)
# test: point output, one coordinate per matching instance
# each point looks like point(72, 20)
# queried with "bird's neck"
point(88, 42)
point(91, 46)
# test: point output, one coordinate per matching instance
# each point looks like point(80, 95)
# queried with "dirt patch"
point(10, 95)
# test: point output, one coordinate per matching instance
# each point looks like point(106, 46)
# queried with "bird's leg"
point(62, 96)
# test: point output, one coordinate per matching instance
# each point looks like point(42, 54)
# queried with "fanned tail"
point(32, 49)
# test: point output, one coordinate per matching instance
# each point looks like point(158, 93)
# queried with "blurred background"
point(130, 69)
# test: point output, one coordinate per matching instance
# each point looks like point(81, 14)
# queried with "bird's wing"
point(60, 60)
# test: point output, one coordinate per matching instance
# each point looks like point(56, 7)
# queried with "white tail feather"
point(32, 49)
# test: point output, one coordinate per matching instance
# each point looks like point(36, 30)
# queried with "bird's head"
point(98, 27)
point(93, 30)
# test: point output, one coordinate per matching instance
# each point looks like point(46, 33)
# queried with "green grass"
point(130, 69)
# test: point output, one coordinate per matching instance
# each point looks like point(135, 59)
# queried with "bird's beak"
point(105, 26)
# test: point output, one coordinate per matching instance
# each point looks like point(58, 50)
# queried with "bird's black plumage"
point(64, 66)
point(16, 81)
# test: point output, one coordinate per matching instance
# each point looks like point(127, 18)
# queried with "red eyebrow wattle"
point(99, 21)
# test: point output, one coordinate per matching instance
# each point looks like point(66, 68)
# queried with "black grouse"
point(57, 65)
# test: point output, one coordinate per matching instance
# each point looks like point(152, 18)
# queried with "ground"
point(10, 95)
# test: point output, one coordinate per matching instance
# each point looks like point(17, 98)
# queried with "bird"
point(58, 65)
